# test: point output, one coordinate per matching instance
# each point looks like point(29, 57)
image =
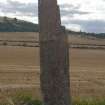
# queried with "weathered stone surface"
point(54, 60)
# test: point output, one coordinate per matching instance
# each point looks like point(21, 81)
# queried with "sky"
point(76, 15)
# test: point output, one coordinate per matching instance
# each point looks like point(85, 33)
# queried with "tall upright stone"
point(54, 55)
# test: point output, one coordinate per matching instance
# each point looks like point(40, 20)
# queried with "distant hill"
point(85, 34)
point(15, 25)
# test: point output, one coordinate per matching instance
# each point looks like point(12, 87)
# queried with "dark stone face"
point(54, 61)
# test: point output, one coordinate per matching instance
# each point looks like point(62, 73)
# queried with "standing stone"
point(54, 55)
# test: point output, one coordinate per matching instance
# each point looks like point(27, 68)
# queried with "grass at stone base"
point(20, 100)
point(29, 101)
point(23, 99)
point(88, 101)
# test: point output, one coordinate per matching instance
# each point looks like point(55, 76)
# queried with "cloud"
point(80, 16)
point(96, 26)
point(71, 10)
point(17, 8)
point(86, 15)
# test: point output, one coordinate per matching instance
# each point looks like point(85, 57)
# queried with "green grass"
point(20, 99)
point(23, 99)
point(88, 102)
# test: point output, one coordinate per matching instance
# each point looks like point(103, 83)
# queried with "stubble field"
point(20, 70)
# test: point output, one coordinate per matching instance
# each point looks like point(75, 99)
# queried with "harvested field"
point(87, 72)
point(19, 70)
point(19, 36)
point(77, 39)
point(33, 36)
point(31, 39)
